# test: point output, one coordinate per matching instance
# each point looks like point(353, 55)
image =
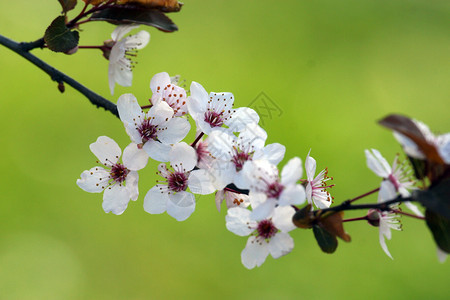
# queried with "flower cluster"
point(229, 157)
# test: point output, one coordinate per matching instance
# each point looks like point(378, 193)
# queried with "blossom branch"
point(23, 50)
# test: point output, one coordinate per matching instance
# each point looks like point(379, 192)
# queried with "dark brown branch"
point(23, 50)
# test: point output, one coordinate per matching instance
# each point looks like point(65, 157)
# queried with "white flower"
point(120, 65)
point(232, 152)
point(164, 90)
point(385, 221)
point(441, 142)
point(267, 190)
point(155, 130)
point(316, 187)
point(232, 199)
point(269, 235)
point(217, 110)
point(396, 179)
point(172, 195)
point(119, 181)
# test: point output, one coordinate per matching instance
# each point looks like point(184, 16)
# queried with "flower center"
point(394, 181)
point(119, 173)
point(175, 96)
point(147, 131)
point(213, 118)
point(177, 181)
point(274, 190)
point(266, 229)
point(239, 158)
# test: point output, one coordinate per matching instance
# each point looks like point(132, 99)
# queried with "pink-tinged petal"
point(282, 218)
point(219, 197)
point(242, 117)
point(292, 171)
point(181, 205)
point(377, 163)
point(202, 125)
point(106, 150)
point(310, 166)
point(292, 195)
point(383, 241)
point(198, 100)
point(157, 151)
point(442, 255)
point(132, 185)
point(274, 153)
point(183, 155)
point(264, 210)
point(129, 109)
point(155, 201)
point(413, 208)
point(121, 31)
point(160, 113)
point(137, 41)
point(115, 199)
point(94, 180)
point(174, 131)
point(159, 82)
point(238, 221)
point(308, 192)
point(281, 244)
point(254, 253)
point(199, 182)
point(387, 191)
point(134, 158)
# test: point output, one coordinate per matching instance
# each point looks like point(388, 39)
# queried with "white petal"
point(281, 244)
point(129, 109)
point(115, 199)
point(377, 163)
point(264, 210)
point(254, 135)
point(282, 218)
point(292, 194)
point(106, 150)
point(183, 155)
point(160, 80)
point(94, 180)
point(292, 171)
point(181, 205)
point(310, 166)
point(198, 99)
point(387, 191)
point(256, 198)
point(221, 174)
point(157, 151)
point(254, 253)
point(132, 185)
point(219, 197)
point(442, 255)
point(134, 158)
point(238, 221)
point(160, 113)
point(413, 208)
point(121, 31)
point(383, 243)
point(175, 131)
point(220, 143)
point(274, 153)
point(199, 182)
point(137, 41)
point(155, 201)
point(242, 117)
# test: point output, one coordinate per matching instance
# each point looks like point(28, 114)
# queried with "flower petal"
point(242, 117)
point(292, 194)
point(199, 182)
point(134, 158)
point(137, 41)
point(129, 109)
point(238, 221)
point(292, 171)
point(282, 218)
point(198, 99)
point(94, 180)
point(274, 153)
point(157, 151)
point(254, 253)
point(132, 185)
point(159, 81)
point(310, 166)
point(281, 244)
point(377, 163)
point(155, 201)
point(181, 205)
point(121, 31)
point(106, 150)
point(184, 156)
point(175, 130)
point(264, 210)
point(160, 113)
point(115, 199)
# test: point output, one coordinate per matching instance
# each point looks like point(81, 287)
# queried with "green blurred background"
point(333, 68)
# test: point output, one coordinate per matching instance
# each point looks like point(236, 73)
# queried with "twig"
point(23, 50)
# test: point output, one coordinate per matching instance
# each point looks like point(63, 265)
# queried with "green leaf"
point(59, 38)
point(327, 241)
point(126, 14)
point(67, 5)
point(436, 198)
point(440, 228)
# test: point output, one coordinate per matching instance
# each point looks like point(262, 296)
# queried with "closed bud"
point(373, 217)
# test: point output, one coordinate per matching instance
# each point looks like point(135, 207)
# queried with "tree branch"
point(23, 50)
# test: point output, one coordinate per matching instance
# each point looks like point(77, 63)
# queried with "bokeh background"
point(332, 69)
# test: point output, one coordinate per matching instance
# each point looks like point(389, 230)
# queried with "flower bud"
point(373, 217)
